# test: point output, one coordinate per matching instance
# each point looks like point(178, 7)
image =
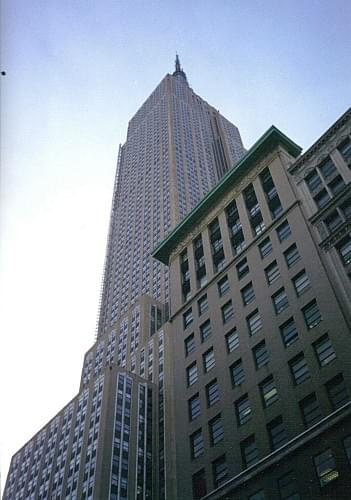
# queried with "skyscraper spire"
point(178, 68)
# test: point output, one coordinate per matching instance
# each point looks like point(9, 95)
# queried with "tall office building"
point(101, 445)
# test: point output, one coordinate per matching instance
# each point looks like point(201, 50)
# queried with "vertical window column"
point(271, 193)
point(200, 265)
point(253, 210)
point(217, 249)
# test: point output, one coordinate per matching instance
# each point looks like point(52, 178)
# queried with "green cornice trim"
point(269, 140)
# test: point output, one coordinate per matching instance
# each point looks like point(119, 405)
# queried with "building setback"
point(260, 326)
point(221, 369)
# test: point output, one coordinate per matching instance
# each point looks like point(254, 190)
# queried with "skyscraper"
point(109, 441)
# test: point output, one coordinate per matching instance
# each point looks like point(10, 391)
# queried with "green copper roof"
point(269, 140)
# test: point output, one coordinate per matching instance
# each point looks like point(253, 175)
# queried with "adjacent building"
point(221, 367)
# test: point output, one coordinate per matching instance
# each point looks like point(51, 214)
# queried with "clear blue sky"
point(77, 71)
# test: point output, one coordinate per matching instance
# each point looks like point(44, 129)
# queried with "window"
point(223, 285)
point(227, 311)
point(345, 150)
point(200, 265)
point(325, 467)
point(232, 340)
point(321, 198)
point(283, 231)
point(327, 168)
point(185, 275)
point(199, 484)
point(220, 471)
point(277, 433)
point(288, 332)
point(247, 294)
point(299, 369)
point(311, 413)
point(215, 429)
point(301, 283)
point(333, 221)
point(212, 392)
point(287, 486)
point(265, 247)
point(313, 180)
point(280, 301)
point(347, 446)
point(196, 444)
point(194, 407)
point(208, 360)
point(254, 322)
point(324, 350)
point(337, 391)
point(243, 410)
point(344, 249)
point(259, 495)
point(205, 330)
point(272, 272)
point(242, 268)
point(268, 391)
point(189, 344)
point(312, 314)
point(191, 374)
point(346, 208)
point(291, 255)
point(271, 193)
point(216, 245)
point(237, 373)
point(249, 451)
point(260, 354)
point(235, 229)
point(187, 318)
point(202, 304)
point(336, 185)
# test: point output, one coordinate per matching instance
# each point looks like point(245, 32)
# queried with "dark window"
point(254, 322)
point(265, 247)
point(333, 221)
point(337, 391)
point(272, 272)
point(344, 249)
point(237, 372)
point(313, 180)
point(220, 471)
point(205, 330)
point(212, 392)
point(202, 304)
point(288, 332)
point(247, 294)
point(259, 495)
point(268, 391)
point(185, 275)
point(189, 344)
point(345, 150)
point(283, 231)
point(235, 229)
point(336, 185)
point(227, 311)
point(291, 255)
point(196, 444)
point(324, 350)
point(216, 245)
point(242, 268)
point(312, 314)
point(254, 211)
point(287, 486)
point(187, 318)
point(249, 451)
point(200, 265)
point(325, 467)
point(243, 409)
point(199, 484)
point(232, 340)
point(327, 168)
point(321, 198)
point(208, 360)
point(310, 410)
point(194, 407)
point(223, 286)
point(346, 208)
point(277, 433)
point(301, 283)
point(215, 429)
point(280, 301)
point(260, 354)
point(271, 193)
point(347, 446)
point(299, 369)
point(191, 374)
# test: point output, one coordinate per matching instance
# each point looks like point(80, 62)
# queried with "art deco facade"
point(260, 327)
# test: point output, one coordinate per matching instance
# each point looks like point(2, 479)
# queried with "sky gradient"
point(76, 72)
